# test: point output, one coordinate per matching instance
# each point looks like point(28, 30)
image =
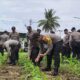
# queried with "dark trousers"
point(56, 53)
point(76, 49)
point(34, 54)
point(14, 54)
point(1, 50)
point(66, 51)
point(17, 53)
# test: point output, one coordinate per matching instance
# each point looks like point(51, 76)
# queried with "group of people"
point(10, 42)
point(51, 45)
point(71, 43)
point(40, 45)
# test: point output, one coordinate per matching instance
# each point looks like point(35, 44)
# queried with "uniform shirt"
point(50, 40)
point(55, 38)
point(66, 39)
point(14, 36)
point(4, 37)
point(32, 41)
point(30, 37)
point(10, 42)
point(74, 36)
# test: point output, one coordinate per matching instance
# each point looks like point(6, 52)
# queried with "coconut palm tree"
point(50, 22)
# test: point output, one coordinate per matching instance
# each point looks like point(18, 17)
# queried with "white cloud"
point(18, 12)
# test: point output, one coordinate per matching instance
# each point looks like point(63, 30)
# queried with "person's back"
point(12, 47)
point(55, 38)
point(4, 37)
point(75, 36)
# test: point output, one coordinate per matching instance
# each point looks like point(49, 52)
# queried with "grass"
point(3, 59)
point(31, 72)
point(71, 66)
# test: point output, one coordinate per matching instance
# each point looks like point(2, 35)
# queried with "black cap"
point(13, 27)
point(39, 30)
point(28, 27)
point(65, 29)
point(52, 31)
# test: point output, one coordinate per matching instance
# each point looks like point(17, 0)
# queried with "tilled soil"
point(10, 73)
point(61, 76)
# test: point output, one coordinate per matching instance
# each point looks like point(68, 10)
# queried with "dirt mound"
point(10, 73)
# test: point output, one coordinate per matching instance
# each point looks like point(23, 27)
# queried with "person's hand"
point(42, 55)
point(37, 59)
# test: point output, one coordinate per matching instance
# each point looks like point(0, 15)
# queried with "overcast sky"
point(19, 12)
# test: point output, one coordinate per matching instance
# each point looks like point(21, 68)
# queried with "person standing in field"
point(15, 36)
point(4, 37)
point(29, 33)
point(39, 31)
point(66, 50)
point(54, 44)
point(74, 43)
point(33, 47)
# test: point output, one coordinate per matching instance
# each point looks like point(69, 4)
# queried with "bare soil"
point(10, 73)
point(62, 76)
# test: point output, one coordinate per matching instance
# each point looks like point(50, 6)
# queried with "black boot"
point(55, 73)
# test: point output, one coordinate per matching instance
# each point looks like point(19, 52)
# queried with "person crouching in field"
point(54, 44)
point(12, 46)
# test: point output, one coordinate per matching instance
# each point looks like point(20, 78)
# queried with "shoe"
point(9, 62)
point(55, 73)
point(46, 69)
point(13, 64)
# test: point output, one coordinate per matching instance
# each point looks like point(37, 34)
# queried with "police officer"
point(15, 36)
point(39, 31)
point(74, 42)
point(33, 47)
point(11, 45)
point(54, 43)
point(4, 37)
point(66, 51)
point(29, 33)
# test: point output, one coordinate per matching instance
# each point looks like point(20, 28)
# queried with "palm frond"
point(50, 22)
point(41, 22)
